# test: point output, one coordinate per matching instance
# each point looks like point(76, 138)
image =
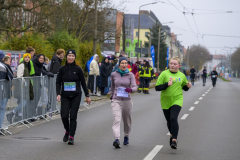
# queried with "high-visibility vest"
point(147, 72)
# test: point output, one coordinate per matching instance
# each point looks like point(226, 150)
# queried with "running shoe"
point(116, 144)
point(66, 137)
point(174, 145)
point(126, 141)
point(71, 141)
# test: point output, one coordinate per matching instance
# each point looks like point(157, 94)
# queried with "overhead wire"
point(209, 10)
point(187, 20)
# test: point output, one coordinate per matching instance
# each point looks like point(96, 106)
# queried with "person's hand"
point(170, 83)
point(88, 99)
point(59, 98)
point(128, 90)
point(189, 85)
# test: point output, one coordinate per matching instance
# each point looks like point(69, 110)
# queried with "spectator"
point(135, 67)
point(115, 63)
point(46, 63)
point(7, 62)
point(104, 74)
point(31, 51)
point(129, 62)
point(56, 61)
point(24, 70)
point(5, 73)
point(188, 74)
point(38, 62)
point(93, 75)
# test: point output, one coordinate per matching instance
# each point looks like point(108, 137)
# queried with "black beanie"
point(71, 51)
point(121, 59)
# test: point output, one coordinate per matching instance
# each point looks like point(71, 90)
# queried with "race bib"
point(69, 86)
point(121, 92)
point(213, 76)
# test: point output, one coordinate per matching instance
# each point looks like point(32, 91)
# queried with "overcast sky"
point(219, 23)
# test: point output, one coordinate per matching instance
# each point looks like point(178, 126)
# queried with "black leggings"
point(192, 80)
point(204, 79)
point(171, 116)
point(214, 80)
point(70, 106)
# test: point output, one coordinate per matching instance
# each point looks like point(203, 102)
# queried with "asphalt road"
point(209, 132)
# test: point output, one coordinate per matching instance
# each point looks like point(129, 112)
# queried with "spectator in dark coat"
point(135, 68)
point(38, 63)
point(56, 61)
point(105, 72)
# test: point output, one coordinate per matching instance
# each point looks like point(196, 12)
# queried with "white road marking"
point(196, 102)
point(184, 116)
point(203, 95)
point(191, 109)
point(200, 98)
point(154, 152)
point(168, 134)
point(206, 92)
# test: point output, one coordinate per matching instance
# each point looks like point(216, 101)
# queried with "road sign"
point(141, 50)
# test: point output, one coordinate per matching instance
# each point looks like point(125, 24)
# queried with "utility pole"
point(159, 34)
point(138, 33)
point(95, 30)
point(188, 57)
point(150, 43)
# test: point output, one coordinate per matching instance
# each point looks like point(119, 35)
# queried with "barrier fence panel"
point(23, 100)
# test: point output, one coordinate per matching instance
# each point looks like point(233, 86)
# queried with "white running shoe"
point(97, 94)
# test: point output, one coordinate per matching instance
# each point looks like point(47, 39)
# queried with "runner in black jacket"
point(192, 75)
point(69, 81)
point(214, 76)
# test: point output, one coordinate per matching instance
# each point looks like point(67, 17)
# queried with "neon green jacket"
point(32, 72)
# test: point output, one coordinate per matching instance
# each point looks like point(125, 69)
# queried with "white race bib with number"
point(213, 76)
point(121, 92)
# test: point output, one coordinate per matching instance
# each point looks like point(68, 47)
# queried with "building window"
point(136, 34)
point(146, 34)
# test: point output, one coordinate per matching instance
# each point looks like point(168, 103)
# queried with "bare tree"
point(198, 55)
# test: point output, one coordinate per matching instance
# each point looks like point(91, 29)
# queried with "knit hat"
point(121, 59)
point(71, 51)
point(26, 54)
point(2, 54)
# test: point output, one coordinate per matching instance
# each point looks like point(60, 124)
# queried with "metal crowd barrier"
point(27, 99)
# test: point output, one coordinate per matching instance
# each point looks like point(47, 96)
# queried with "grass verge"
point(226, 80)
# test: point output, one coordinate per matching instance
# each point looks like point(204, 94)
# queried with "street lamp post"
point(139, 25)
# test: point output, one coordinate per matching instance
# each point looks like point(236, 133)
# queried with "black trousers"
point(204, 79)
point(70, 106)
point(214, 80)
point(141, 85)
point(192, 80)
point(93, 83)
point(146, 84)
point(171, 116)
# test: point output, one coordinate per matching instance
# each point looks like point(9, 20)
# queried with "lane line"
point(191, 109)
point(200, 98)
point(154, 152)
point(206, 92)
point(168, 134)
point(203, 95)
point(196, 102)
point(184, 116)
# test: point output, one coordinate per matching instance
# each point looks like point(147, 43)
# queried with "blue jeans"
point(19, 107)
point(3, 105)
point(106, 90)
